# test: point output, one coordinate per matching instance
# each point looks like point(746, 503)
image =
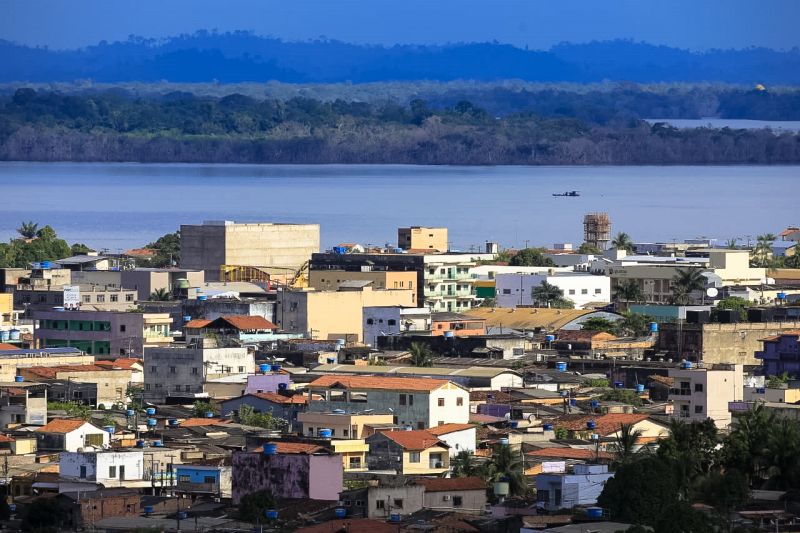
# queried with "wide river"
point(120, 206)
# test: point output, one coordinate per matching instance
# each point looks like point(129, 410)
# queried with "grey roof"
point(355, 284)
point(444, 316)
point(80, 259)
point(471, 372)
point(41, 351)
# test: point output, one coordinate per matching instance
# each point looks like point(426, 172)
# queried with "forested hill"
point(181, 127)
point(241, 56)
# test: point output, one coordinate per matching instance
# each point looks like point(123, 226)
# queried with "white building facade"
point(514, 290)
point(380, 321)
point(111, 468)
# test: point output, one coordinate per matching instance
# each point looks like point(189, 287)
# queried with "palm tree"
point(624, 446)
point(623, 241)
point(685, 282)
point(784, 455)
point(28, 229)
point(763, 249)
point(747, 445)
point(545, 294)
point(421, 354)
point(732, 243)
point(464, 465)
point(506, 465)
point(160, 295)
point(628, 291)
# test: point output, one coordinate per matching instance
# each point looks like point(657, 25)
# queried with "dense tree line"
point(51, 126)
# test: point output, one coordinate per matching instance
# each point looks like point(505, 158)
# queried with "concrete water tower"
point(597, 230)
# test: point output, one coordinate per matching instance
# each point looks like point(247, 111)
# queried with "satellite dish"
point(712, 292)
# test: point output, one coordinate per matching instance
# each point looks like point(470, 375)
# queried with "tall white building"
point(701, 393)
point(513, 290)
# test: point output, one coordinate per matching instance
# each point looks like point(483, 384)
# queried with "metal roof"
point(470, 372)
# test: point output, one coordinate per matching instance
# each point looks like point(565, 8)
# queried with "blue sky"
point(694, 24)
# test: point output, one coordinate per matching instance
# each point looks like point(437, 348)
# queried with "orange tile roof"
point(125, 363)
point(245, 322)
point(6, 438)
point(294, 448)
point(604, 424)
point(140, 252)
point(197, 323)
point(444, 429)
point(416, 440)
point(62, 425)
point(50, 372)
point(280, 398)
point(582, 335)
point(196, 422)
point(775, 338)
point(7, 346)
point(568, 453)
point(451, 483)
point(380, 383)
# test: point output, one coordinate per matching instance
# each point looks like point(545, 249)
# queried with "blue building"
point(564, 490)
point(213, 477)
point(781, 354)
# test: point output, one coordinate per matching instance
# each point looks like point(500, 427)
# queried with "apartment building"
point(701, 393)
point(423, 238)
point(514, 290)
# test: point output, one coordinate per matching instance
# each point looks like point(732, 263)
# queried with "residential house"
point(781, 353)
point(288, 470)
point(459, 437)
point(419, 403)
point(84, 509)
point(456, 325)
point(608, 426)
point(231, 328)
point(89, 297)
point(583, 342)
point(102, 333)
point(380, 501)
point(423, 239)
point(69, 435)
point(334, 314)
point(408, 452)
point(107, 468)
point(515, 290)
point(333, 280)
point(343, 425)
point(394, 320)
point(455, 494)
point(12, 360)
point(201, 479)
point(133, 364)
point(181, 283)
point(111, 384)
point(286, 407)
point(472, 377)
point(701, 393)
point(23, 403)
point(268, 381)
point(556, 491)
point(6, 309)
point(353, 453)
point(181, 371)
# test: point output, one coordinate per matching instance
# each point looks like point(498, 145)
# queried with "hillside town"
point(238, 377)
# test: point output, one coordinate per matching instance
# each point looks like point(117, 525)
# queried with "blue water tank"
point(186, 318)
point(152, 422)
point(394, 517)
point(573, 401)
point(140, 443)
point(275, 368)
point(19, 379)
point(561, 366)
point(202, 297)
point(5, 335)
point(340, 512)
point(595, 404)
point(653, 327)
point(263, 368)
point(504, 442)
point(687, 365)
point(150, 411)
point(148, 509)
point(331, 360)
point(109, 429)
point(130, 412)
point(46, 264)
point(325, 433)
point(182, 515)
point(158, 443)
point(619, 384)
point(209, 414)
point(398, 250)
point(173, 422)
point(14, 334)
point(271, 514)
point(594, 512)
point(781, 295)
point(549, 338)
point(591, 424)
point(270, 449)
point(340, 250)
point(547, 427)
point(449, 334)
point(640, 388)
point(283, 386)
point(514, 424)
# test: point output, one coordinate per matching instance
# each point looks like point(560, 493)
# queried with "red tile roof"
point(775, 338)
point(62, 425)
point(295, 448)
point(195, 422)
point(140, 252)
point(7, 346)
point(351, 525)
point(604, 424)
point(247, 322)
point(416, 440)
point(444, 429)
point(280, 398)
point(6, 438)
point(451, 484)
point(125, 363)
point(379, 383)
point(197, 323)
point(583, 335)
point(568, 453)
point(50, 372)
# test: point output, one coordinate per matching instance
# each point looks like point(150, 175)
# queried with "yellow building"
point(6, 308)
point(334, 314)
point(353, 452)
point(343, 425)
point(332, 280)
point(422, 238)
point(420, 452)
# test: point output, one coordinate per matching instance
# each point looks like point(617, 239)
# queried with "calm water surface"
point(119, 206)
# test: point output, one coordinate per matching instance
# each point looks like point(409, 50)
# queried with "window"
point(114, 297)
point(187, 388)
point(112, 472)
point(598, 291)
point(413, 457)
point(584, 291)
point(122, 327)
point(402, 399)
point(698, 409)
point(101, 298)
point(370, 321)
point(177, 388)
point(398, 503)
point(379, 504)
point(459, 401)
point(355, 462)
point(86, 299)
point(173, 370)
point(184, 479)
point(129, 297)
point(572, 291)
point(420, 425)
point(391, 322)
point(458, 501)
point(154, 369)
point(698, 387)
point(209, 479)
point(146, 386)
point(241, 369)
point(93, 440)
point(83, 472)
point(440, 402)
point(311, 431)
point(195, 370)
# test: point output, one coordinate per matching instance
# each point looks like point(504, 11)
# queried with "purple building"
point(295, 470)
point(781, 354)
point(269, 382)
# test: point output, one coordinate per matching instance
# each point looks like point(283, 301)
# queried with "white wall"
point(451, 412)
point(97, 466)
point(515, 289)
point(460, 441)
point(75, 439)
point(385, 321)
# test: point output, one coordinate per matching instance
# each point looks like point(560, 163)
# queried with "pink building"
point(295, 470)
